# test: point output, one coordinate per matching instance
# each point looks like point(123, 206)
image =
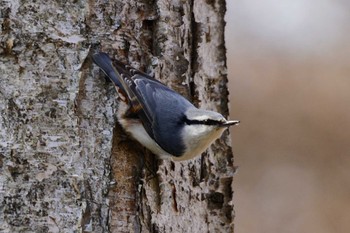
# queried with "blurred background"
point(289, 73)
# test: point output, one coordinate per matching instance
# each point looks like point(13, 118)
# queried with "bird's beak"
point(230, 123)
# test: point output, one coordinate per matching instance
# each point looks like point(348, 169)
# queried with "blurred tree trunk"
point(65, 163)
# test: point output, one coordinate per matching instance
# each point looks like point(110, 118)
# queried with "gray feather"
point(161, 109)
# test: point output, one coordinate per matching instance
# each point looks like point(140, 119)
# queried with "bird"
point(159, 118)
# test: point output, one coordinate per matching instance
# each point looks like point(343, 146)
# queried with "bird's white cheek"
point(198, 138)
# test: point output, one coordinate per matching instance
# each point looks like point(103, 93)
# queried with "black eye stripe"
point(203, 122)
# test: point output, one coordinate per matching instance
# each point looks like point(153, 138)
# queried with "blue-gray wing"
point(160, 109)
point(165, 108)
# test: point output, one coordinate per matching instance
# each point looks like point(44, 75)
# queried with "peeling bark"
point(65, 163)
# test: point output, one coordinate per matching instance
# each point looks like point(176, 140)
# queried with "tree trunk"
point(65, 163)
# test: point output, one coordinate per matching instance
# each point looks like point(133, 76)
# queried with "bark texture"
point(65, 163)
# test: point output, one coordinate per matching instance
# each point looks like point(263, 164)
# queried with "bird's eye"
point(202, 122)
point(211, 122)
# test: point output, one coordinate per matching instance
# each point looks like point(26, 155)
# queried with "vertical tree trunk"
point(65, 163)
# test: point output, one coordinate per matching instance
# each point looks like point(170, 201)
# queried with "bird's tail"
point(105, 63)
